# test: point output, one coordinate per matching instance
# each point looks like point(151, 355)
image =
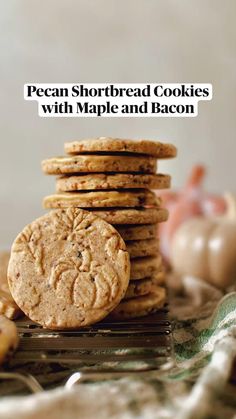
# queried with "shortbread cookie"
point(9, 338)
point(160, 278)
point(141, 306)
point(133, 215)
point(137, 232)
point(146, 266)
point(90, 164)
point(4, 260)
point(68, 269)
point(112, 181)
point(141, 248)
point(143, 286)
point(8, 306)
point(114, 145)
point(104, 199)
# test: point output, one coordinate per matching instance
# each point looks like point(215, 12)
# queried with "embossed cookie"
point(141, 306)
point(112, 181)
point(114, 145)
point(104, 199)
point(68, 269)
point(146, 266)
point(141, 287)
point(133, 215)
point(8, 338)
point(137, 232)
point(140, 248)
point(8, 306)
point(90, 164)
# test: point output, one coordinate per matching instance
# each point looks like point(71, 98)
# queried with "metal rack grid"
point(46, 358)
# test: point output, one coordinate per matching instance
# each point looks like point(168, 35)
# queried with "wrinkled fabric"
point(196, 386)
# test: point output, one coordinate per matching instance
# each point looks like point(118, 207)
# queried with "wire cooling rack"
point(46, 359)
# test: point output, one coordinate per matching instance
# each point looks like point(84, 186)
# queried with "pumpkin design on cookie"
point(68, 269)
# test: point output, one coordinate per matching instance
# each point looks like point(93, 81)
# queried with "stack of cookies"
point(114, 179)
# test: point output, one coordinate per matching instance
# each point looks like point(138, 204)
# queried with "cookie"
point(8, 306)
point(141, 248)
point(9, 338)
point(4, 260)
point(143, 286)
point(137, 232)
point(104, 199)
point(146, 266)
point(141, 306)
point(112, 181)
point(68, 269)
point(132, 215)
point(160, 278)
point(118, 145)
point(91, 164)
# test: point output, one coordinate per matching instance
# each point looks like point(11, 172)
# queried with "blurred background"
point(76, 41)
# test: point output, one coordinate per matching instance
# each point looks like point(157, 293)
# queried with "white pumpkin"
point(206, 248)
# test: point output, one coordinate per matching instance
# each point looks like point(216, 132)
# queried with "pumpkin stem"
point(230, 200)
point(196, 177)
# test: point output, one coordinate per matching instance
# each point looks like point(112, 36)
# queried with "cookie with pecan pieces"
point(9, 338)
point(8, 307)
point(121, 145)
point(68, 269)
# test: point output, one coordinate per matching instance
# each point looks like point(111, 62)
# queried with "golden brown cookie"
point(102, 199)
point(141, 248)
point(4, 260)
point(144, 286)
point(160, 278)
point(137, 232)
point(112, 181)
point(8, 306)
point(141, 306)
point(68, 269)
point(118, 145)
point(132, 215)
point(91, 164)
point(9, 338)
point(146, 266)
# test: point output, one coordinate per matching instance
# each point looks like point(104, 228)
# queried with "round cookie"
point(141, 248)
point(91, 164)
point(118, 145)
point(68, 269)
point(137, 232)
point(143, 286)
point(4, 260)
point(140, 306)
point(112, 181)
point(9, 338)
point(146, 266)
point(160, 278)
point(133, 215)
point(102, 199)
point(8, 306)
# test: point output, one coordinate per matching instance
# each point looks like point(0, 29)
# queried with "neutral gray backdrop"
point(112, 41)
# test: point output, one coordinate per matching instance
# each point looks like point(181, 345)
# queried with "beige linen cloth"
point(197, 387)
